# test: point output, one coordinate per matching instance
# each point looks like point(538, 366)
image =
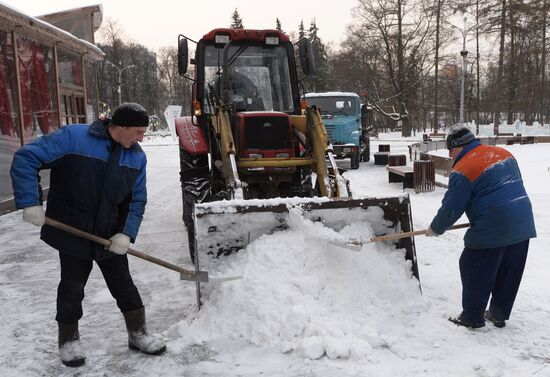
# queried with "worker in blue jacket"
point(486, 183)
point(97, 184)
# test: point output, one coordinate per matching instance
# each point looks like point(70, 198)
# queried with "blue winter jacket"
point(96, 185)
point(486, 184)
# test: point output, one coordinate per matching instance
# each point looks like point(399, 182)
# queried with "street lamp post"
point(463, 53)
point(120, 70)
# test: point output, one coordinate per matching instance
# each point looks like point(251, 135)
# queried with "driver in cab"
point(243, 92)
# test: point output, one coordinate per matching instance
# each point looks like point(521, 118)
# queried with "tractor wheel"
point(355, 159)
point(195, 188)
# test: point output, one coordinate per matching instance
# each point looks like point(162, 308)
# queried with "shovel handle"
point(104, 242)
point(397, 236)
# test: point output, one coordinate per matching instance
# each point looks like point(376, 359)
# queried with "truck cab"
point(342, 115)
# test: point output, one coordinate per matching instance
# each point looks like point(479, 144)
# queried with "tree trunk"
point(496, 116)
point(478, 92)
point(435, 125)
point(512, 75)
point(406, 131)
point(543, 63)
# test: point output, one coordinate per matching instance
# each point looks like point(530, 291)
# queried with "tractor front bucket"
point(224, 227)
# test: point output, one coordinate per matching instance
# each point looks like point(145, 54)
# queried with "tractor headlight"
point(272, 41)
point(222, 39)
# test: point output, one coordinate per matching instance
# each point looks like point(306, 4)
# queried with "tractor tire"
point(355, 159)
point(195, 188)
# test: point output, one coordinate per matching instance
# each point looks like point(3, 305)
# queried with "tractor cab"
point(246, 70)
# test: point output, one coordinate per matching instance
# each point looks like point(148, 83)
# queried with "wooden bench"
point(397, 160)
point(426, 137)
point(381, 158)
point(401, 174)
point(420, 176)
point(512, 140)
point(527, 140)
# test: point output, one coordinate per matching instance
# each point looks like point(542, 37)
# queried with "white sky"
point(157, 23)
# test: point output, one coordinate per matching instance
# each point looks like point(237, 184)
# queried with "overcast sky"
point(157, 23)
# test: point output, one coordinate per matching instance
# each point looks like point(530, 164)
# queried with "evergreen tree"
point(301, 30)
point(319, 81)
point(236, 20)
point(278, 23)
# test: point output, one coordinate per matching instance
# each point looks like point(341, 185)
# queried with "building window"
point(38, 96)
point(10, 139)
point(91, 93)
point(72, 108)
point(8, 91)
point(71, 86)
point(70, 68)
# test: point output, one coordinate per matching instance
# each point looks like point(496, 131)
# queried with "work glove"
point(120, 243)
point(34, 215)
point(431, 233)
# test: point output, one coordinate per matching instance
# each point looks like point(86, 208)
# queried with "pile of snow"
point(299, 292)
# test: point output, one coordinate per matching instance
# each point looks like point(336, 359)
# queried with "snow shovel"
point(396, 236)
point(356, 244)
point(197, 276)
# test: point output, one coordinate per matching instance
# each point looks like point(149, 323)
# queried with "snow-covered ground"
point(302, 308)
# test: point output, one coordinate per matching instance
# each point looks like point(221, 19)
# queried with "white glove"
point(120, 243)
point(34, 215)
point(431, 233)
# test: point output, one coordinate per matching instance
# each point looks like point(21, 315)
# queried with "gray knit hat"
point(458, 136)
point(130, 114)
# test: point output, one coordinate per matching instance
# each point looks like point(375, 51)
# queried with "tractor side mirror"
point(305, 52)
point(183, 55)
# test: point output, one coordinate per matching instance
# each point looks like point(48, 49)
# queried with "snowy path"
point(406, 337)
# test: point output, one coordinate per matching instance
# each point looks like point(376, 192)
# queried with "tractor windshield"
point(334, 105)
point(257, 78)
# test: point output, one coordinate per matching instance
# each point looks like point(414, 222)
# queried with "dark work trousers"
point(492, 272)
point(74, 275)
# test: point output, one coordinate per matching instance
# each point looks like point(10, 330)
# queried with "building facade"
point(47, 79)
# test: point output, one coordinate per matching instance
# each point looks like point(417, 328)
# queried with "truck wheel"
point(355, 159)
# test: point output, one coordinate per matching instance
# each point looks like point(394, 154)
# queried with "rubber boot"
point(70, 349)
point(138, 338)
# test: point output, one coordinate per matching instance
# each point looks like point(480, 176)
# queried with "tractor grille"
point(267, 133)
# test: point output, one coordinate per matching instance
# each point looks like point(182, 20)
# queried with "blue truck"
point(345, 120)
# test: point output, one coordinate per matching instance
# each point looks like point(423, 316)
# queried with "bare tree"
point(399, 31)
point(178, 88)
point(436, 62)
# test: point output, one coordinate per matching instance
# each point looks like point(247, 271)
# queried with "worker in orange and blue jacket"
point(486, 183)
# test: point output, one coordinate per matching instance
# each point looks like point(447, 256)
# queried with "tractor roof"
point(246, 34)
